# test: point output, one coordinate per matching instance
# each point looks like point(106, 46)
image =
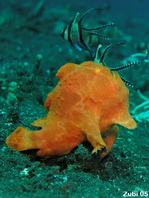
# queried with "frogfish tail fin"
point(21, 139)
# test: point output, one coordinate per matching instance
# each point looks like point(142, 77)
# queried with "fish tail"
point(21, 139)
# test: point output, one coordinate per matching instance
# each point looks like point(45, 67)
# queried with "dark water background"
point(120, 12)
point(139, 8)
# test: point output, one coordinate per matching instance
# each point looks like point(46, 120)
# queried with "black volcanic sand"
point(31, 52)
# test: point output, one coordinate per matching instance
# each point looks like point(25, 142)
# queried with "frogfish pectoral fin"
point(21, 139)
point(109, 138)
point(94, 137)
point(127, 121)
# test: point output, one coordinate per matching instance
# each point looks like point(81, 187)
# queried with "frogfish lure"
point(87, 103)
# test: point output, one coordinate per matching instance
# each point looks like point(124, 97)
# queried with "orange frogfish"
point(87, 102)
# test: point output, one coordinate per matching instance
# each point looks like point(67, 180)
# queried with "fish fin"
point(96, 140)
point(109, 138)
point(40, 122)
point(84, 14)
point(75, 45)
point(21, 139)
point(127, 121)
point(99, 27)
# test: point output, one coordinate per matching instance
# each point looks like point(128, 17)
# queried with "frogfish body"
point(85, 105)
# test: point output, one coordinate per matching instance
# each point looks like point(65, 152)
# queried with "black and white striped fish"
point(81, 37)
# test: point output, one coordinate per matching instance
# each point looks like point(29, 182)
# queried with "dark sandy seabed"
point(27, 31)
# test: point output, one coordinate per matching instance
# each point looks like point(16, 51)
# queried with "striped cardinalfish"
point(83, 38)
